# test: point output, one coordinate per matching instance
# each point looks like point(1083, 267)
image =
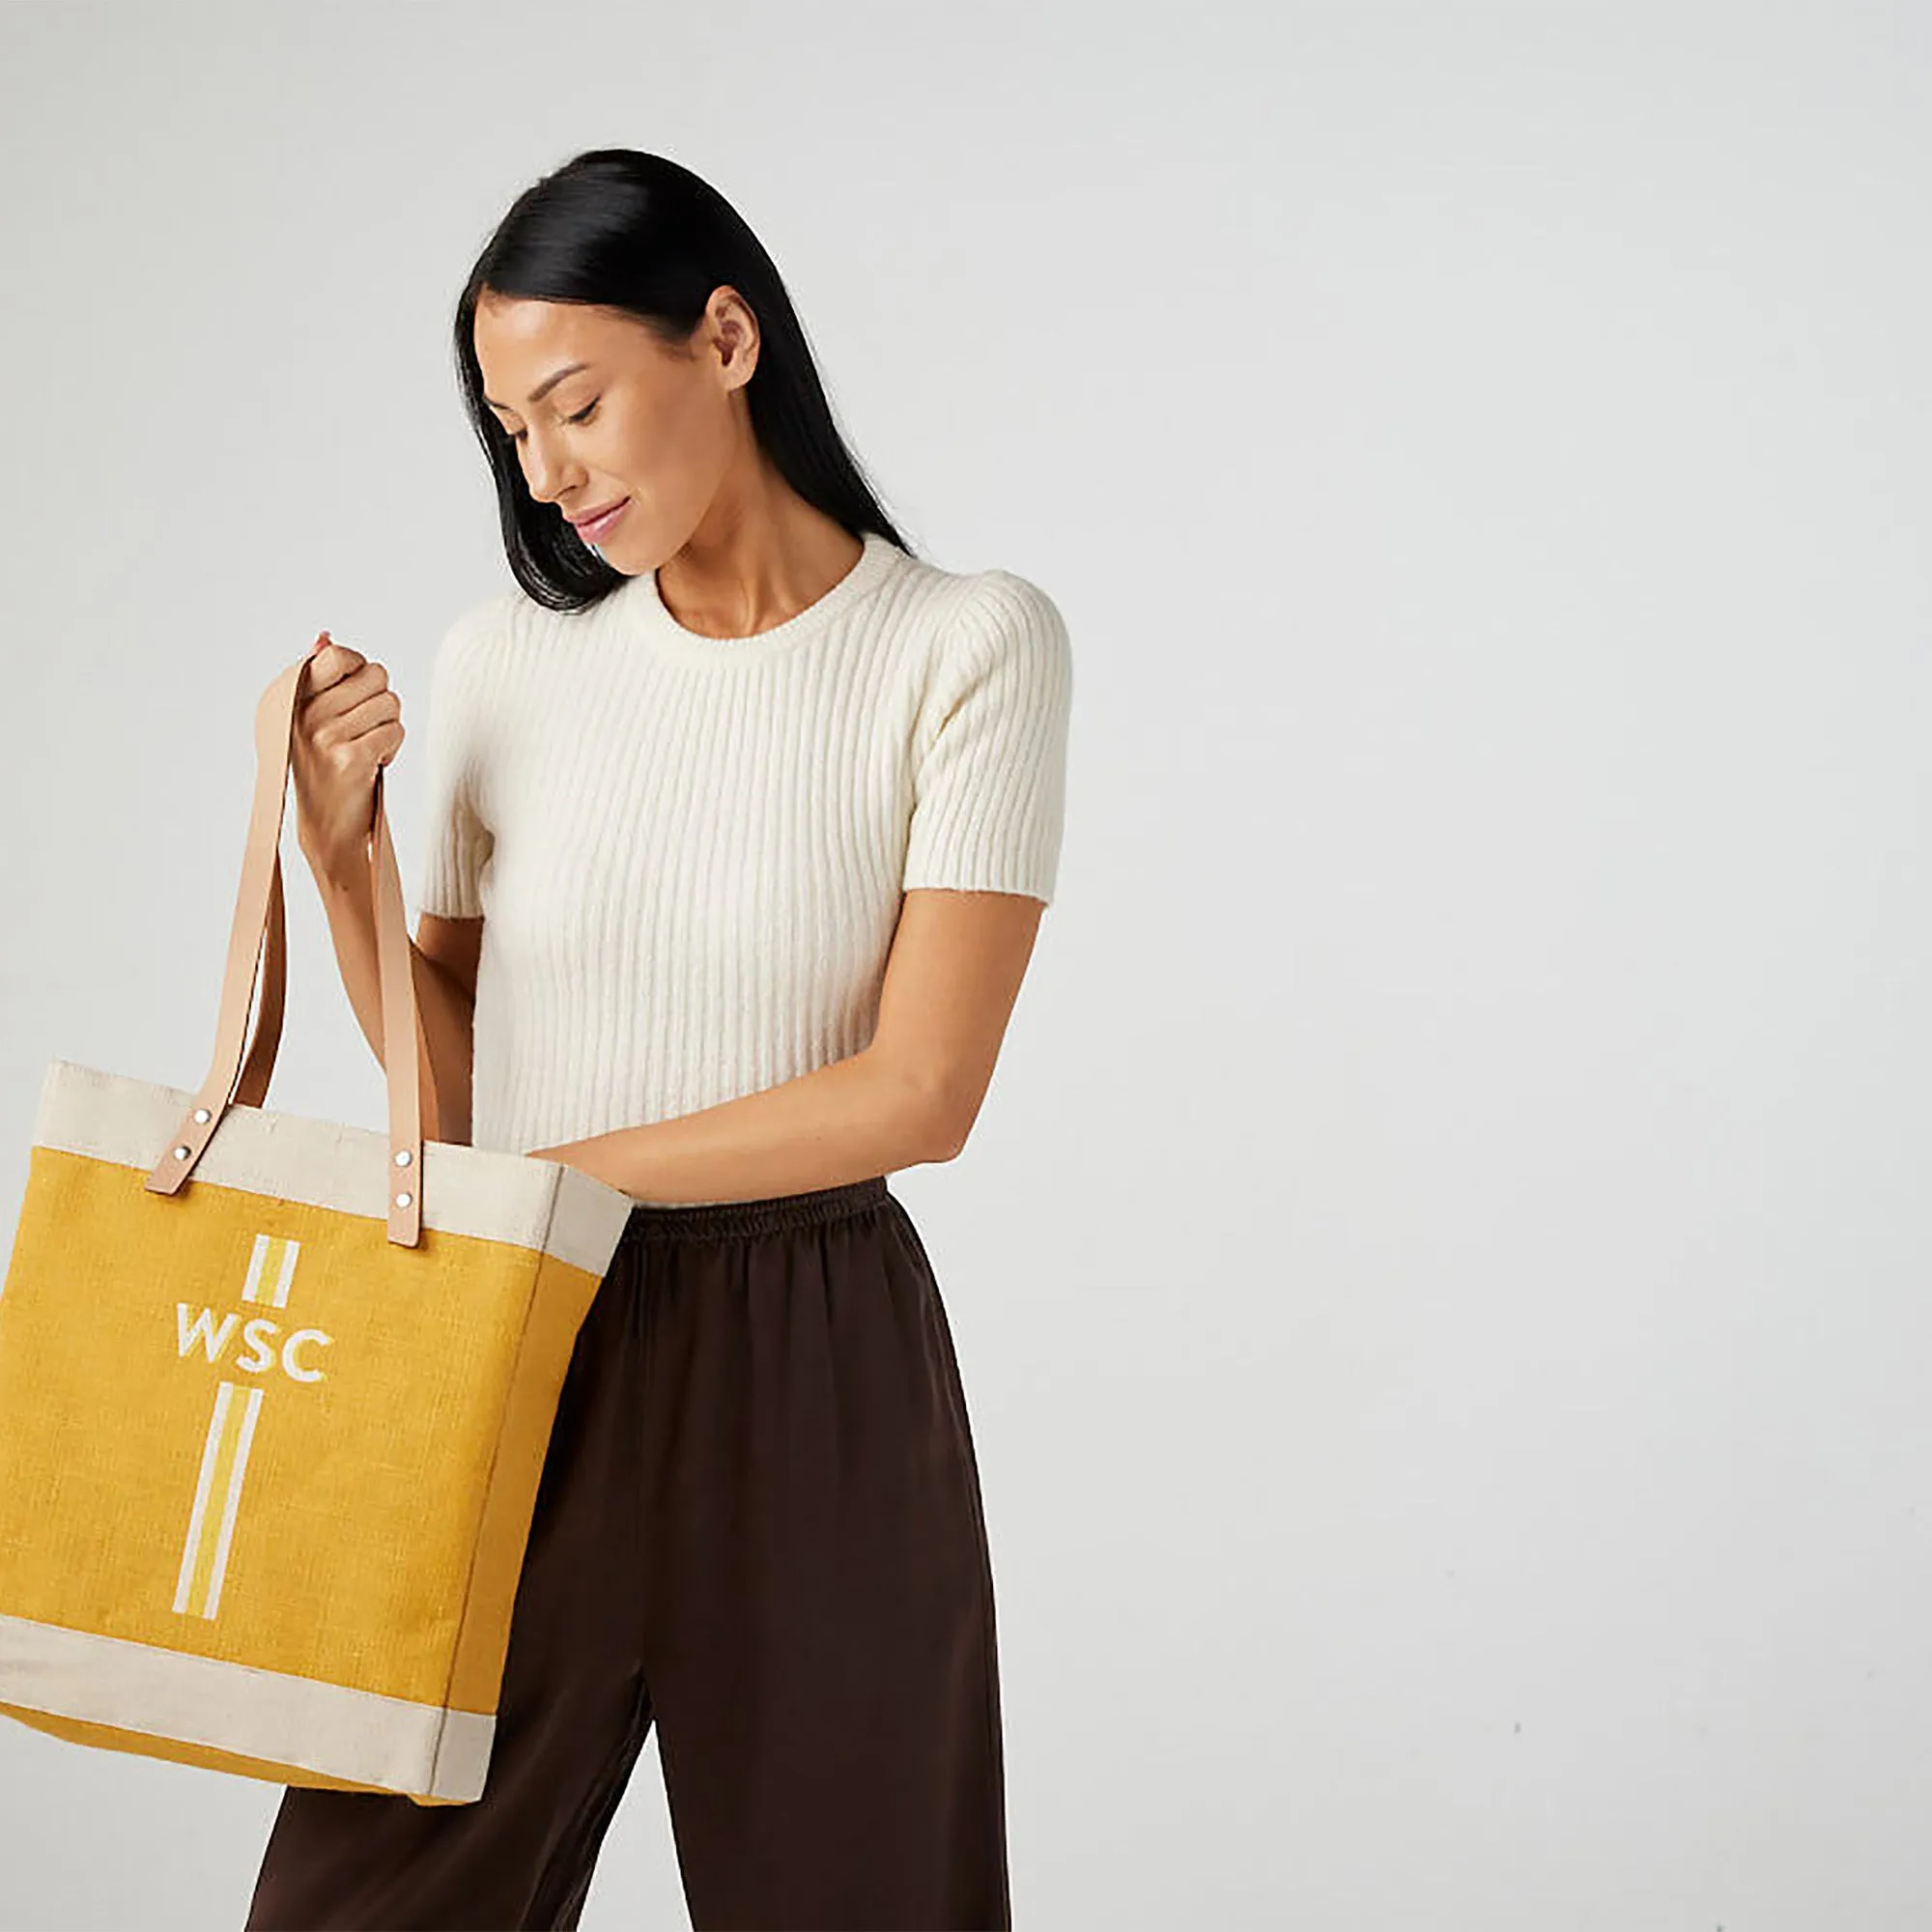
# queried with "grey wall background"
point(1441, 1277)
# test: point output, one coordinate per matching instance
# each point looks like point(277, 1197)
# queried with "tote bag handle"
point(258, 948)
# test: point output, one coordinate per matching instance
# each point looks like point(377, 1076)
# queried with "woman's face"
point(603, 414)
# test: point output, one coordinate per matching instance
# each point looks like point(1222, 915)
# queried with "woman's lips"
point(594, 531)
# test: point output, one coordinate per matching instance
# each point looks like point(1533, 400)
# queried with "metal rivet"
point(402, 1200)
point(201, 1114)
point(402, 1158)
point(181, 1153)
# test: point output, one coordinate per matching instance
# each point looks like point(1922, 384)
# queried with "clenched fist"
point(347, 722)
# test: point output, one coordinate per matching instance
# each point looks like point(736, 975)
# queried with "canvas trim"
point(484, 1192)
point(373, 1740)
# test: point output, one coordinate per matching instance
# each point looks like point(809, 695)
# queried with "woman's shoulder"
point(974, 614)
point(487, 638)
point(499, 613)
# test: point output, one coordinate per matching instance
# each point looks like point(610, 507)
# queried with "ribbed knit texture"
point(688, 851)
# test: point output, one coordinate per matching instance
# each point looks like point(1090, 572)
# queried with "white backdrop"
point(1440, 1275)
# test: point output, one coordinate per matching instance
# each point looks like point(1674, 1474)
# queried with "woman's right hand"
point(347, 722)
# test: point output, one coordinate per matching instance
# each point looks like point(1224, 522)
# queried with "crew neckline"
point(645, 601)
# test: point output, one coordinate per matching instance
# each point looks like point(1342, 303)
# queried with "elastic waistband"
point(716, 1220)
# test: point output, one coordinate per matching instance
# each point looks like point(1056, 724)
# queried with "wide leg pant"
point(759, 1528)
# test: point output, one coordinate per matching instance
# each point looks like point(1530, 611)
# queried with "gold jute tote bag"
point(275, 1393)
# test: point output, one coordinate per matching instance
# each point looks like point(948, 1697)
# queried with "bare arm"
point(909, 1097)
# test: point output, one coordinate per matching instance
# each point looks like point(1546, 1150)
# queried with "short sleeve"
point(457, 840)
point(989, 751)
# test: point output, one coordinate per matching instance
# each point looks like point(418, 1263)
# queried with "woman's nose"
point(542, 472)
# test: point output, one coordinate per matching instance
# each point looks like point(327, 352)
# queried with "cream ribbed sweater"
point(688, 851)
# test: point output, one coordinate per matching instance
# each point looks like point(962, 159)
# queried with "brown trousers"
point(759, 1528)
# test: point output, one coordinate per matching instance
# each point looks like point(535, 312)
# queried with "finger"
point(355, 720)
point(372, 714)
point(327, 650)
point(355, 687)
point(369, 749)
point(329, 663)
point(357, 757)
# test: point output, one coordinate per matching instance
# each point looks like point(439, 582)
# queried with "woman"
point(742, 822)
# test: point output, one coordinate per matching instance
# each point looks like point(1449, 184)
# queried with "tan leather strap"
point(258, 945)
point(253, 1087)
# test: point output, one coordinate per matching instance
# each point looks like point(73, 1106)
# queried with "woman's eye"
point(583, 415)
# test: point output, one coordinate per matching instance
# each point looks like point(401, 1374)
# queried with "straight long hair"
point(638, 233)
